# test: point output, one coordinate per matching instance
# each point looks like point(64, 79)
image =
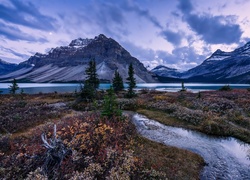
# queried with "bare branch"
point(46, 144)
point(55, 132)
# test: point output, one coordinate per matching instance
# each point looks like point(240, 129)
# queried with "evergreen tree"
point(117, 82)
point(87, 91)
point(110, 107)
point(92, 76)
point(131, 81)
point(91, 83)
point(183, 88)
point(13, 87)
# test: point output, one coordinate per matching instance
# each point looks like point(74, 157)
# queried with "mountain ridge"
point(220, 67)
point(68, 63)
point(6, 67)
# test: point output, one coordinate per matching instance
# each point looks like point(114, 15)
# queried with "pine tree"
point(14, 87)
point(92, 76)
point(110, 107)
point(183, 88)
point(91, 83)
point(131, 81)
point(117, 82)
point(87, 91)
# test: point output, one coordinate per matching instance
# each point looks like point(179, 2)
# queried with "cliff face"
point(68, 63)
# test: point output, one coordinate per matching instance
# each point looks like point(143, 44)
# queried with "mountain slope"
point(6, 67)
point(220, 67)
point(68, 63)
point(227, 67)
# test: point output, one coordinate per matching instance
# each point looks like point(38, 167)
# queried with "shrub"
point(194, 117)
point(225, 88)
point(110, 107)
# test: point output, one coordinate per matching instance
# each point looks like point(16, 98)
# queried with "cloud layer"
point(178, 34)
point(20, 13)
point(212, 29)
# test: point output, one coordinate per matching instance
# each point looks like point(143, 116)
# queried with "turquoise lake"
point(34, 88)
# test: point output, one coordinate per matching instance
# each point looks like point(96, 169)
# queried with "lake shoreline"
point(35, 88)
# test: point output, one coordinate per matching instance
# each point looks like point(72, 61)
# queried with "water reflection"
point(227, 158)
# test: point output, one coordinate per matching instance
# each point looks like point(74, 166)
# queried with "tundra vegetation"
point(92, 140)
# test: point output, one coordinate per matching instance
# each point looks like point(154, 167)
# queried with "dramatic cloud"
point(188, 55)
point(212, 29)
point(27, 15)
point(173, 37)
point(12, 55)
point(110, 18)
point(141, 12)
point(101, 17)
point(15, 34)
point(181, 58)
point(185, 6)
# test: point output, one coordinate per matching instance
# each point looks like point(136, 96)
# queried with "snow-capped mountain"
point(68, 63)
point(219, 55)
point(220, 67)
point(6, 67)
point(166, 71)
point(229, 67)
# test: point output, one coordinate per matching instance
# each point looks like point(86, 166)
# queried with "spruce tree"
point(13, 87)
point(117, 82)
point(131, 81)
point(91, 83)
point(92, 76)
point(110, 107)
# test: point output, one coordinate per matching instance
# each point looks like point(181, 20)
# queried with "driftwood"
point(55, 154)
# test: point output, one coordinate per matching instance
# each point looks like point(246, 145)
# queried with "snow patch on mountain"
point(165, 71)
point(80, 42)
point(219, 55)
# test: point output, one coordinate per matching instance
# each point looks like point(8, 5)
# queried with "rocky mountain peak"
point(219, 55)
point(218, 51)
point(80, 42)
point(67, 63)
point(101, 37)
point(161, 67)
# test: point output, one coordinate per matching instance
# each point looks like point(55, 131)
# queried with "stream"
point(226, 158)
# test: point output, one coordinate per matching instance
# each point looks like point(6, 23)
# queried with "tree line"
point(91, 83)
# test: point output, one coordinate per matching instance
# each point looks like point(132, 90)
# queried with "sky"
point(179, 34)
